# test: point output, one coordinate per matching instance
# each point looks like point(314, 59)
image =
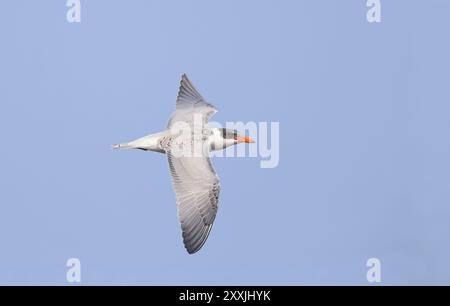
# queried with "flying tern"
point(187, 142)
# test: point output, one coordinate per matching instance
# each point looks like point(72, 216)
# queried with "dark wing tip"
point(193, 247)
point(188, 95)
point(185, 79)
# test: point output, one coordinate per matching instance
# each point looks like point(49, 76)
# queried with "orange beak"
point(245, 139)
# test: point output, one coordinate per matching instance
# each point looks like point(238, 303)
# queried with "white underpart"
point(152, 142)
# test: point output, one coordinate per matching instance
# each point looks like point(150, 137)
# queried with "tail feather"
point(121, 146)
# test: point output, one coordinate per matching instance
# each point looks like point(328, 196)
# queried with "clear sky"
point(364, 166)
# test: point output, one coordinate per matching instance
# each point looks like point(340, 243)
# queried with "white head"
point(222, 138)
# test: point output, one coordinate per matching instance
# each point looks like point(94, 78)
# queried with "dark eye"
point(229, 134)
point(224, 133)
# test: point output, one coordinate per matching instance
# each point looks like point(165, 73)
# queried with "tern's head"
point(230, 134)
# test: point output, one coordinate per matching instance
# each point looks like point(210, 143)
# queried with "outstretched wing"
point(189, 103)
point(194, 180)
point(197, 190)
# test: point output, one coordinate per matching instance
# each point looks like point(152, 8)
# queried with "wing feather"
point(197, 193)
point(189, 103)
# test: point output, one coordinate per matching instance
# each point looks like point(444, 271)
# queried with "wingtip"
point(193, 250)
point(184, 78)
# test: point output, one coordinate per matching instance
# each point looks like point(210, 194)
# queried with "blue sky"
point(364, 149)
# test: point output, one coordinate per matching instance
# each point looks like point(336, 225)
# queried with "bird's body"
point(153, 142)
point(187, 142)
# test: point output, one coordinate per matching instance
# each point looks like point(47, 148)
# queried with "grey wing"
point(194, 179)
point(190, 102)
point(197, 191)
